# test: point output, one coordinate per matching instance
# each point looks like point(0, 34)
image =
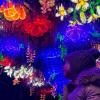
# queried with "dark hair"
point(81, 60)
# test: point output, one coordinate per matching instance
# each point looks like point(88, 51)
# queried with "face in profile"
point(66, 68)
point(98, 63)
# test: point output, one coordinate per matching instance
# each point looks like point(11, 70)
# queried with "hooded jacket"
point(79, 61)
point(88, 86)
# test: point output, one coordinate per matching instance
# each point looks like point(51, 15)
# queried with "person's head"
point(98, 63)
point(78, 61)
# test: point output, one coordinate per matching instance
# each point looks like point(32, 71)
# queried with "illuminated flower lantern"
point(81, 4)
point(37, 27)
point(61, 12)
point(12, 12)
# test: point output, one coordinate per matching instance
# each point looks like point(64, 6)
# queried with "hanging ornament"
point(42, 97)
point(60, 37)
point(46, 5)
point(16, 82)
point(32, 90)
point(9, 70)
point(30, 55)
point(63, 51)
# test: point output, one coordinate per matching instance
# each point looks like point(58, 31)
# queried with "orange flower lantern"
point(13, 12)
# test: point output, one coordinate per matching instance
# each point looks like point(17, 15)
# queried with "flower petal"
point(83, 17)
point(90, 19)
point(70, 10)
point(74, 1)
point(57, 15)
point(98, 10)
point(78, 6)
point(62, 18)
point(85, 6)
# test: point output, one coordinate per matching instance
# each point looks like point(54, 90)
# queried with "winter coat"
point(88, 86)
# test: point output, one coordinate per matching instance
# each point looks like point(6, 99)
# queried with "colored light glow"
point(23, 73)
point(77, 33)
point(5, 62)
point(11, 47)
point(1, 56)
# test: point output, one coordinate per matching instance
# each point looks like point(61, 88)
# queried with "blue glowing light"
point(77, 33)
point(1, 2)
point(11, 47)
point(53, 67)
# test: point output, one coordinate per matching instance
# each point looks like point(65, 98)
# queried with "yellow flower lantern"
point(81, 3)
point(61, 12)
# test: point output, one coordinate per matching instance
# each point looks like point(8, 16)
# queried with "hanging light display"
point(46, 5)
point(30, 55)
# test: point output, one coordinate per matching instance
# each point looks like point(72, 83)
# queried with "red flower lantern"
point(6, 61)
point(37, 27)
